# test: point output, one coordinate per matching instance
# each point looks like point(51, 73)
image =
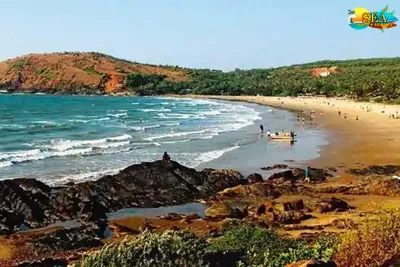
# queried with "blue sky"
point(221, 34)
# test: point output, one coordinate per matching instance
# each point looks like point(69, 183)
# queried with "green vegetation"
point(264, 247)
point(180, 249)
point(374, 241)
point(362, 79)
point(20, 64)
point(252, 246)
point(92, 70)
point(46, 73)
point(120, 70)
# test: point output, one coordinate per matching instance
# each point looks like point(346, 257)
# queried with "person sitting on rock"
point(166, 158)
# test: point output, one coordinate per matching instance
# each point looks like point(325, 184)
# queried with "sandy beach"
point(372, 139)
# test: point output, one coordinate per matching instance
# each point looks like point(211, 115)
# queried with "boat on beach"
point(281, 137)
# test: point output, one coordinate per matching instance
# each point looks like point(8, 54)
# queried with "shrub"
point(171, 248)
point(373, 241)
point(264, 247)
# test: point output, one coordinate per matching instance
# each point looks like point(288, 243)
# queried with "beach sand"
point(372, 139)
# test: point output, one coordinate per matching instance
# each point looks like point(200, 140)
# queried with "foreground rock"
point(34, 204)
point(222, 210)
point(333, 204)
point(376, 170)
point(297, 174)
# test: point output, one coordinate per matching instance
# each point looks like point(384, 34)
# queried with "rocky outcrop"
point(293, 205)
point(217, 180)
point(376, 170)
point(34, 204)
point(222, 210)
point(262, 190)
point(275, 167)
point(297, 174)
point(68, 240)
point(255, 178)
point(333, 204)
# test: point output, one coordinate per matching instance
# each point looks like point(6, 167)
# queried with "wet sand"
point(372, 139)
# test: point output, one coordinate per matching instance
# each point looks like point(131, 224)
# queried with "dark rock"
point(218, 180)
point(274, 167)
point(293, 205)
point(333, 204)
point(223, 258)
point(297, 174)
point(255, 178)
point(48, 262)
point(286, 175)
point(149, 184)
point(68, 239)
point(376, 170)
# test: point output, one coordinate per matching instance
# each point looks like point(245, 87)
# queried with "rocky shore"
point(281, 200)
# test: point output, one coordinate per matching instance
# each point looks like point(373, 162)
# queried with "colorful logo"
point(359, 18)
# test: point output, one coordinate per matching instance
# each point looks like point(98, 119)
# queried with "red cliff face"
point(74, 70)
point(323, 72)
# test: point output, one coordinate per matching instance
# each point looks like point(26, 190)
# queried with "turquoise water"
point(58, 139)
point(62, 138)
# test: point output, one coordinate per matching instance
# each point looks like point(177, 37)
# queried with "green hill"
point(377, 78)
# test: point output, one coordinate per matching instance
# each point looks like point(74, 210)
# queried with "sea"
point(60, 139)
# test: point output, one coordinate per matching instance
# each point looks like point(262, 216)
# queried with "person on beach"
point(298, 117)
point(166, 158)
point(340, 113)
point(262, 128)
point(307, 175)
point(356, 118)
point(345, 116)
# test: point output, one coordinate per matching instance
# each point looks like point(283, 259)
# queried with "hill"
point(82, 73)
point(76, 73)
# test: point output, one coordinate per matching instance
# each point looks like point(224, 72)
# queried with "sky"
point(218, 34)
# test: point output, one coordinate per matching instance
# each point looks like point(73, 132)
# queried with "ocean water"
point(58, 139)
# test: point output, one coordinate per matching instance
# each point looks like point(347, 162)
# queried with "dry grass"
point(372, 242)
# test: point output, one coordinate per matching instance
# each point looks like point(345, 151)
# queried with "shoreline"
point(370, 140)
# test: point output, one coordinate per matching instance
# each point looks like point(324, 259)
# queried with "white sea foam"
point(102, 119)
point(118, 115)
point(5, 164)
point(214, 154)
point(211, 112)
point(112, 145)
point(155, 109)
point(63, 145)
point(77, 120)
point(72, 152)
point(119, 138)
point(176, 134)
point(93, 175)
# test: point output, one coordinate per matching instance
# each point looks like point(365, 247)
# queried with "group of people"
point(292, 133)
